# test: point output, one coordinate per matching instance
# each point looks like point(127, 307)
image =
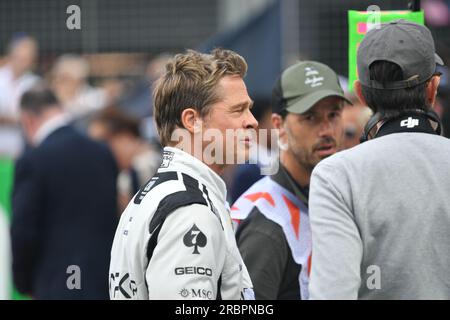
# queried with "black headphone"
point(378, 117)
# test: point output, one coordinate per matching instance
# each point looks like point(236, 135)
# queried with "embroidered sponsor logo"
point(123, 284)
point(195, 238)
point(196, 293)
point(193, 270)
point(166, 159)
point(143, 192)
point(184, 293)
point(201, 293)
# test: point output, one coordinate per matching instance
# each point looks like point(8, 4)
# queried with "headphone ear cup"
point(369, 126)
point(434, 116)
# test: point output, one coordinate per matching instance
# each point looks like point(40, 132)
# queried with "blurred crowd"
point(114, 111)
point(117, 113)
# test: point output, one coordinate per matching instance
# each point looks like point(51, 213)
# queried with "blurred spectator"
point(15, 78)
point(64, 206)
point(69, 81)
point(137, 100)
point(137, 160)
point(247, 174)
point(354, 118)
point(442, 106)
point(437, 12)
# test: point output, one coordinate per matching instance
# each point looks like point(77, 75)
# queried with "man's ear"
point(277, 123)
point(358, 91)
point(431, 90)
point(189, 120)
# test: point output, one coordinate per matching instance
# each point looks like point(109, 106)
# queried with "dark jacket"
point(64, 214)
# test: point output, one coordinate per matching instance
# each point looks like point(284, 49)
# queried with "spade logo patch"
point(195, 238)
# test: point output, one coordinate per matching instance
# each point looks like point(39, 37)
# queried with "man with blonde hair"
point(175, 239)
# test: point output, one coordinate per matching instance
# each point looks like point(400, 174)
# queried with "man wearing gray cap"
point(380, 212)
point(273, 232)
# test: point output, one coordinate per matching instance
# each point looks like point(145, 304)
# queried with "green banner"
point(6, 184)
point(359, 22)
point(6, 176)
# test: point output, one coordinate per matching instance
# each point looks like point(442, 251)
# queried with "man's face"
point(232, 114)
point(315, 134)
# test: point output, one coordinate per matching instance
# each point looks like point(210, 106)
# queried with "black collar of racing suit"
point(284, 179)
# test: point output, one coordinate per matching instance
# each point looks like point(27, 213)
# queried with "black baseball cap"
point(407, 44)
point(304, 84)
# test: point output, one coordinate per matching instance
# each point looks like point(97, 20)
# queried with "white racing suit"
point(175, 239)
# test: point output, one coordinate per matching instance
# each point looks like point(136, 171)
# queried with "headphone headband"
point(377, 118)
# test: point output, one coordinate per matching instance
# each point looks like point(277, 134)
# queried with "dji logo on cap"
point(409, 123)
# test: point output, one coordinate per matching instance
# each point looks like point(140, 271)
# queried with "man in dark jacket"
point(64, 206)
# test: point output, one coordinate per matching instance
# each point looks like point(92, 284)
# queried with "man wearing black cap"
point(380, 212)
point(273, 232)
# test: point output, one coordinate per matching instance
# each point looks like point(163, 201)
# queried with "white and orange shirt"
point(282, 207)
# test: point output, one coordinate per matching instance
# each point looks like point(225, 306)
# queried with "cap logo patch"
point(409, 123)
point(312, 77)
